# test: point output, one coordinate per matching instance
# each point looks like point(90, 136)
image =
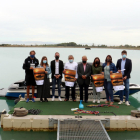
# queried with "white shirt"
point(56, 67)
point(123, 65)
point(71, 66)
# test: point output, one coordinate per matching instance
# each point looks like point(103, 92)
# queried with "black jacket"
point(26, 65)
point(80, 71)
point(128, 67)
point(61, 68)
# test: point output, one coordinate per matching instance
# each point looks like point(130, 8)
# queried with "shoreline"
point(88, 48)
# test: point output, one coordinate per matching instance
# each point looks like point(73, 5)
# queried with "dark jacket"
point(61, 68)
point(26, 65)
point(80, 71)
point(128, 67)
point(111, 66)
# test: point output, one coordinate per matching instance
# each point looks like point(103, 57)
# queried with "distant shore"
point(87, 47)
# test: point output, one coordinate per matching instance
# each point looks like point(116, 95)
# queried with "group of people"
point(84, 71)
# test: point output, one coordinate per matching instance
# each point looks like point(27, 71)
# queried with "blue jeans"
point(126, 84)
point(108, 90)
point(54, 80)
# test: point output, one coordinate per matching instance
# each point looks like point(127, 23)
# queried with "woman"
point(108, 68)
point(96, 69)
point(43, 91)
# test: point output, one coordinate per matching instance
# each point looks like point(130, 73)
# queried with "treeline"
point(70, 44)
point(5, 44)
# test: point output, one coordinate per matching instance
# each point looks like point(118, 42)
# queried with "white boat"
point(19, 88)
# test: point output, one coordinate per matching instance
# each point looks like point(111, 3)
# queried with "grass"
point(64, 108)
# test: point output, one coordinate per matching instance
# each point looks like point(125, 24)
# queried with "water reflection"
point(24, 135)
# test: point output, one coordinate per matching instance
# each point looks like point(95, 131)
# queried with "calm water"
point(11, 61)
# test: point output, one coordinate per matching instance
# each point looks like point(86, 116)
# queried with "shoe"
point(94, 101)
point(86, 101)
point(111, 103)
point(27, 100)
point(106, 102)
point(45, 100)
point(98, 101)
point(53, 98)
point(60, 98)
point(127, 103)
point(66, 100)
point(33, 100)
point(121, 102)
point(74, 100)
point(41, 100)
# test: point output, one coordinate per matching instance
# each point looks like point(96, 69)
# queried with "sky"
point(110, 22)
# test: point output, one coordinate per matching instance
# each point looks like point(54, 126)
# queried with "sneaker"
point(53, 98)
point(94, 101)
point(127, 103)
point(27, 100)
point(33, 100)
point(121, 102)
point(60, 98)
point(98, 101)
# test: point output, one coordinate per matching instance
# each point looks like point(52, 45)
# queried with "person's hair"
point(70, 56)
point(57, 52)
point(110, 58)
point(84, 56)
point(33, 51)
point(41, 63)
point(124, 51)
point(94, 62)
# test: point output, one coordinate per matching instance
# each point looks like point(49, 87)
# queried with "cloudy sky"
point(111, 22)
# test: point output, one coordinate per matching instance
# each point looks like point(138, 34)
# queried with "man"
point(57, 69)
point(84, 72)
point(124, 65)
point(29, 64)
point(71, 65)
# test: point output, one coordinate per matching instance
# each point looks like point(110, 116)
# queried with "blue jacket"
point(48, 69)
point(111, 66)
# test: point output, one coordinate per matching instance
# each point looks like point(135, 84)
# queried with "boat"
point(87, 48)
point(19, 88)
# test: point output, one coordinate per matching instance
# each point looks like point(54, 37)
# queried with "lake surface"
point(12, 59)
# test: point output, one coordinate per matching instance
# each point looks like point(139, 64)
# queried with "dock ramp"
point(77, 129)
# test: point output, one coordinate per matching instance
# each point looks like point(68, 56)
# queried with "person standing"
point(43, 91)
point(84, 72)
point(29, 64)
point(71, 65)
point(96, 69)
point(108, 68)
point(124, 65)
point(57, 70)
